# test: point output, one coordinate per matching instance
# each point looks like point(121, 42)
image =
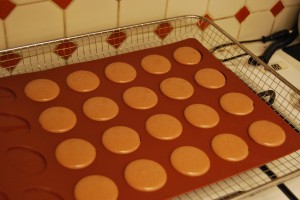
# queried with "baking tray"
point(94, 46)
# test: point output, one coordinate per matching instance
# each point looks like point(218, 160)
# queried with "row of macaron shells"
point(103, 184)
point(128, 74)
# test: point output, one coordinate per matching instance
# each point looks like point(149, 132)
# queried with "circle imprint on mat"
point(210, 78)
point(230, 147)
point(7, 96)
point(39, 192)
point(164, 127)
point(156, 64)
point(100, 108)
point(120, 72)
point(83, 81)
point(14, 125)
point(177, 88)
point(57, 119)
point(41, 90)
point(236, 103)
point(190, 161)
point(75, 153)
point(267, 133)
point(121, 139)
point(145, 175)
point(187, 55)
point(25, 160)
point(95, 187)
point(140, 98)
point(201, 116)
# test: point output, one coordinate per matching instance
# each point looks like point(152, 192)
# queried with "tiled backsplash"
point(30, 21)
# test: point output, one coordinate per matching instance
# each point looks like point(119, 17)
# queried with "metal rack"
point(92, 46)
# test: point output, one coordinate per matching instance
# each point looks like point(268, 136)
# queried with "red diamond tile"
point(9, 60)
point(242, 14)
point(5, 8)
point(163, 30)
point(116, 38)
point(65, 49)
point(277, 8)
point(62, 3)
point(203, 24)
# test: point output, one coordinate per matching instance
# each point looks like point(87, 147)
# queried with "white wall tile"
point(290, 2)
point(137, 11)
point(256, 25)
point(187, 7)
point(21, 2)
point(2, 36)
point(84, 16)
point(37, 63)
point(34, 23)
point(39, 20)
point(226, 8)
point(258, 5)
point(230, 25)
point(286, 18)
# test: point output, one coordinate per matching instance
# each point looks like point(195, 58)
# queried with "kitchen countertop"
point(290, 70)
point(290, 66)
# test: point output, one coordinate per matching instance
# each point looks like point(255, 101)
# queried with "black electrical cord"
point(280, 43)
point(284, 37)
point(232, 44)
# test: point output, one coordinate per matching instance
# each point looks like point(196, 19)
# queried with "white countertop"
point(290, 66)
point(291, 72)
point(275, 193)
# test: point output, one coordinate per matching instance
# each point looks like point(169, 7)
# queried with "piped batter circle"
point(210, 78)
point(83, 81)
point(177, 88)
point(100, 108)
point(236, 103)
point(267, 133)
point(75, 153)
point(42, 90)
point(156, 64)
point(187, 55)
point(121, 139)
point(57, 119)
point(190, 161)
point(145, 175)
point(230, 147)
point(120, 72)
point(140, 98)
point(201, 116)
point(164, 126)
point(95, 187)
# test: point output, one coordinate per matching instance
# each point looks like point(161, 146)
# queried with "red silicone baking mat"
point(30, 170)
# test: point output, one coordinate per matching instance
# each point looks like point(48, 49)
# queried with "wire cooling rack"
point(97, 45)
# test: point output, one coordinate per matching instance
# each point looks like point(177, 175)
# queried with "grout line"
point(5, 35)
point(166, 8)
point(22, 4)
point(64, 23)
point(273, 25)
point(118, 12)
